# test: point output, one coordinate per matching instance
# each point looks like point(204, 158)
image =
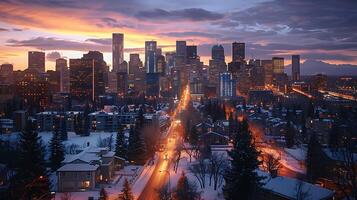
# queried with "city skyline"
point(33, 25)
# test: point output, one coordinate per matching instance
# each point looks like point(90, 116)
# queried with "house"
point(85, 170)
point(285, 188)
point(213, 138)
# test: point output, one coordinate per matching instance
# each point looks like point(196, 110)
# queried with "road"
point(258, 134)
point(160, 176)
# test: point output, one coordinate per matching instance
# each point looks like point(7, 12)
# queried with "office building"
point(117, 50)
point(170, 62)
point(278, 65)
point(62, 68)
point(227, 86)
point(180, 52)
point(295, 67)
point(134, 63)
point(87, 77)
point(122, 84)
point(160, 64)
point(218, 53)
point(268, 71)
point(33, 89)
point(152, 84)
point(191, 52)
point(6, 74)
point(238, 51)
point(150, 56)
point(36, 61)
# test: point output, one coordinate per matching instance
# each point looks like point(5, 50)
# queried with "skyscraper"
point(227, 86)
point(62, 68)
point(218, 53)
point(150, 56)
point(6, 74)
point(191, 52)
point(87, 76)
point(278, 65)
point(268, 71)
point(134, 63)
point(36, 60)
point(238, 51)
point(181, 49)
point(295, 69)
point(118, 50)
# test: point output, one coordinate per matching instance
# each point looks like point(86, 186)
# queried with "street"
point(161, 174)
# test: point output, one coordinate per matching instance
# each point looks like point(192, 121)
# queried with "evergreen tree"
point(57, 150)
point(314, 165)
point(186, 190)
point(120, 147)
point(241, 177)
point(193, 137)
point(30, 180)
point(64, 133)
point(289, 135)
point(137, 147)
point(85, 122)
point(127, 194)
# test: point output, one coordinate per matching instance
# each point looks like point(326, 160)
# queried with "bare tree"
point(216, 167)
point(199, 170)
point(177, 158)
point(189, 150)
point(302, 191)
point(271, 164)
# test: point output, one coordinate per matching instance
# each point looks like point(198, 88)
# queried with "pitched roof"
point(78, 168)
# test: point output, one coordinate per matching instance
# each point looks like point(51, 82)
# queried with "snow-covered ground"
point(287, 160)
point(207, 193)
point(139, 183)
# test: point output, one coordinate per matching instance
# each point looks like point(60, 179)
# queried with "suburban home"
point(285, 188)
point(213, 138)
point(85, 170)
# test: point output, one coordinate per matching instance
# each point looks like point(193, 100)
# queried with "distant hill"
point(311, 67)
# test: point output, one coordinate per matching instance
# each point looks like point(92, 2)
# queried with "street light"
point(168, 172)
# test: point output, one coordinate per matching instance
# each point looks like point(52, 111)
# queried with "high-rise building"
point(238, 51)
point(62, 68)
point(87, 77)
point(152, 84)
point(227, 86)
point(134, 63)
point(170, 61)
point(160, 64)
point(278, 65)
point(218, 53)
point(181, 50)
point(191, 52)
point(295, 67)
point(6, 74)
point(122, 84)
point(268, 71)
point(117, 50)
point(150, 56)
point(33, 88)
point(36, 60)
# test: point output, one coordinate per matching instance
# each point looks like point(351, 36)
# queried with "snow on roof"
point(338, 154)
point(87, 155)
point(287, 187)
point(109, 154)
point(78, 168)
point(215, 133)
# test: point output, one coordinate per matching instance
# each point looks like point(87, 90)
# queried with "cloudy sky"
point(323, 30)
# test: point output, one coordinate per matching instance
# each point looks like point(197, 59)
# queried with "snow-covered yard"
point(207, 193)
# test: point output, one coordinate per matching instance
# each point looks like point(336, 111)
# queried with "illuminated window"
point(85, 184)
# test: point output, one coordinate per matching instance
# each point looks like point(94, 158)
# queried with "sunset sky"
point(316, 29)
